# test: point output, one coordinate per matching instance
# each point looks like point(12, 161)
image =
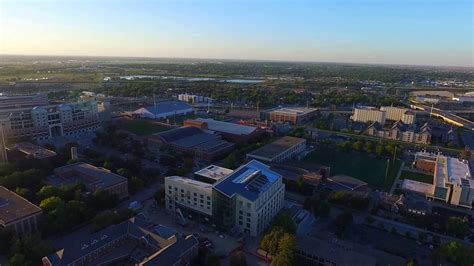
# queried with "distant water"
point(191, 79)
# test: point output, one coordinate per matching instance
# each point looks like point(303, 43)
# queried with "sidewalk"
point(397, 179)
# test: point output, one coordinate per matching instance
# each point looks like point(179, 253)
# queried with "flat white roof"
point(294, 110)
point(419, 187)
point(227, 127)
point(214, 172)
point(452, 170)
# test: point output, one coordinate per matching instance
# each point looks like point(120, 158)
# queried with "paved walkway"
point(397, 179)
point(414, 231)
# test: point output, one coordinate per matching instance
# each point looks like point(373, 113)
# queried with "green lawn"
point(358, 165)
point(141, 127)
point(417, 177)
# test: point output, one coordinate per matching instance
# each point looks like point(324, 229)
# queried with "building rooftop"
point(90, 175)
point(13, 206)
point(157, 239)
point(214, 172)
point(418, 187)
point(190, 181)
point(167, 107)
point(454, 171)
point(35, 151)
point(338, 252)
point(293, 110)
point(227, 127)
point(249, 180)
point(347, 182)
point(277, 147)
point(191, 137)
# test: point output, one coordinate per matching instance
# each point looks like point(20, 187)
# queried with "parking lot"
point(222, 244)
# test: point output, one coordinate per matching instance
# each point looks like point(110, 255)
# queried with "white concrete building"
point(188, 195)
point(399, 114)
point(452, 180)
point(191, 98)
point(369, 114)
point(50, 121)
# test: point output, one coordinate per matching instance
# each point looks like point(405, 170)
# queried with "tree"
point(457, 227)
point(25, 193)
point(271, 240)
point(238, 258)
point(135, 184)
point(357, 145)
point(455, 253)
point(422, 236)
point(342, 222)
point(368, 147)
point(283, 220)
point(124, 172)
point(51, 203)
point(379, 150)
point(286, 251)
point(212, 259)
point(48, 191)
point(160, 195)
point(28, 250)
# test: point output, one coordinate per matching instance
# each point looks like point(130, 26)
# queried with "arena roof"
point(227, 127)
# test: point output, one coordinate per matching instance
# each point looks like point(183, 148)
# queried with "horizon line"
point(246, 60)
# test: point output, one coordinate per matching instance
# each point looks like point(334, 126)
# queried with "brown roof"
point(13, 206)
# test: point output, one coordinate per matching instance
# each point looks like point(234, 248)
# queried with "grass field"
point(141, 127)
point(362, 166)
point(417, 177)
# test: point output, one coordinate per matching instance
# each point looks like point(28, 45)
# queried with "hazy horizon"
point(406, 32)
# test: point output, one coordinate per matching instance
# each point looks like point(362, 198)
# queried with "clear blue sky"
point(433, 32)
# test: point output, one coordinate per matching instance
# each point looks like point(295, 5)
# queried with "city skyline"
point(392, 32)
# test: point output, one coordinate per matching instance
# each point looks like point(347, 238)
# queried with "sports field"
point(417, 177)
point(359, 165)
point(142, 127)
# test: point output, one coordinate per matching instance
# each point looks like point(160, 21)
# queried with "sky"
point(418, 32)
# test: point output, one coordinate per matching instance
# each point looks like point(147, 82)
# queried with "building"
point(164, 110)
point(293, 115)
point(193, 141)
point(402, 132)
point(369, 114)
point(104, 111)
point(399, 114)
point(229, 131)
point(35, 151)
point(247, 200)
point(22, 101)
point(191, 98)
point(314, 251)
point(244, 200)
point(347, 183)
point(279, 150)
point(212, 174)
point(93, 177)
point(452, 180)
point(188, 196)
point(18, 214)
point(49, 121)
point(132, 242)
